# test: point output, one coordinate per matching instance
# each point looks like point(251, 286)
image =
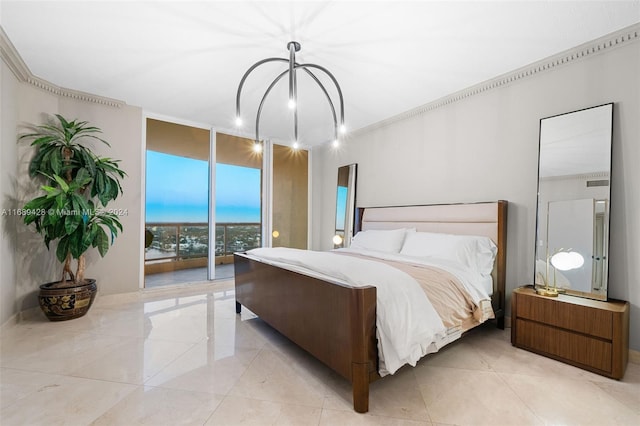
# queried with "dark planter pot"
point(65, 303)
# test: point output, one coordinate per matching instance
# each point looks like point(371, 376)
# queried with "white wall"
point(485, 147)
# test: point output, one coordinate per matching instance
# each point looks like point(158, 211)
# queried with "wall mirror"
point(345, 205)
point(572, 233)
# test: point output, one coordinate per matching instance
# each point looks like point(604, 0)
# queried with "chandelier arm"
point(293, 47)
point(264, 97)
point(292, 75)
point(322, 87)
point(324, 90)
point(246, 74)
point(295, 125)
point(326, 71)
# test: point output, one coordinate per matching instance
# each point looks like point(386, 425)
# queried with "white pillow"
point(475, 252)
point(388, 241)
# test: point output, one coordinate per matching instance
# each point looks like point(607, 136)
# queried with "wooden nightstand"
point(587, 333)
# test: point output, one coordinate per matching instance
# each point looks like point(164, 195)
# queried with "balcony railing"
point(180, 241)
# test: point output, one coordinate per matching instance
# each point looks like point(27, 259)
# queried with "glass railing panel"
point(194, 241)
point(164, 244)
point(242, 237)
point(177, 241)
point(220, 239)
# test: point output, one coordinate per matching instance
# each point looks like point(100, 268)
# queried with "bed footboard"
point(332, 321)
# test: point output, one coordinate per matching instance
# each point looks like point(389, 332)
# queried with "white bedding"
point(479, 286)
point(408, 326)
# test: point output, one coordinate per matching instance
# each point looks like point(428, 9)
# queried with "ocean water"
point(177, 191)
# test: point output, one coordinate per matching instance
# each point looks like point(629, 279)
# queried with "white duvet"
point(408, 326)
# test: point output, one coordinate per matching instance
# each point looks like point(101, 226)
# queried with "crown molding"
point(581, 176)
point(580, 52)
point(19, 68)
point(12, 58)
point(624, 36)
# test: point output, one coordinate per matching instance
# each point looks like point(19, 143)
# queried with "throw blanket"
point(450, 298)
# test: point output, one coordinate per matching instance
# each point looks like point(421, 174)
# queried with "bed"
point(335, 321)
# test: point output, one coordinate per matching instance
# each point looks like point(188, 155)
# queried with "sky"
point(341, 207)
point(177, 191)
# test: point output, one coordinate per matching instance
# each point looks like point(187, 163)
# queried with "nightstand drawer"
point(585, 350)
point(570, 316)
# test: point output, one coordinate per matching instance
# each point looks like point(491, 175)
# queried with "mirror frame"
point(348, 175)
point(543, 234)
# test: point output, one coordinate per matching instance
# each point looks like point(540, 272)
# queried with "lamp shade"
point(567, 260)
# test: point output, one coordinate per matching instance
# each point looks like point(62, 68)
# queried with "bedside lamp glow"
point(561, 260)
point(567, 260)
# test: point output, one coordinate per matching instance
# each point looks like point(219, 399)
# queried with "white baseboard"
point(13, 320)
point(25, 315)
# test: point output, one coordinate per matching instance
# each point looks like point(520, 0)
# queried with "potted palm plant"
point(71, 209)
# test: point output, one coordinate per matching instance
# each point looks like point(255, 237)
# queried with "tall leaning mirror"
point(572, 233)
point(345, 205)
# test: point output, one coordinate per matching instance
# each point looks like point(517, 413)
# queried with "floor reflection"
point(187, 276)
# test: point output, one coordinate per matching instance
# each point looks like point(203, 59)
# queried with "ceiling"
point(184, 59)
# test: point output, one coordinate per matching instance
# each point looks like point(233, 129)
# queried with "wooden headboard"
point(485, 219)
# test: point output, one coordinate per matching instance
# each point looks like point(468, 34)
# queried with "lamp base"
point(546, 291)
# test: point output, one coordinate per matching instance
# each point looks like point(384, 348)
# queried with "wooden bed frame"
point(336, 323)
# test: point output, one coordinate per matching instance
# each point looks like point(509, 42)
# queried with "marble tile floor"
point(183, 357)
point(187, 276)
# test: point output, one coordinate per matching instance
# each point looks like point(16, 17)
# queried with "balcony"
point(180, 246)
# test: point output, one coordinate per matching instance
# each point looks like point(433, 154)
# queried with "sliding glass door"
point(238, 200)
point(250, 198)
point(176, 204)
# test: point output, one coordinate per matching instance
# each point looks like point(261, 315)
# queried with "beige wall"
point(8, 154)
point(484, 147)
point(122, 126)
point(290, 194)
point(119, 271)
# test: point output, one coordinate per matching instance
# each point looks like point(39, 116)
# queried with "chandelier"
point(291, 71)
